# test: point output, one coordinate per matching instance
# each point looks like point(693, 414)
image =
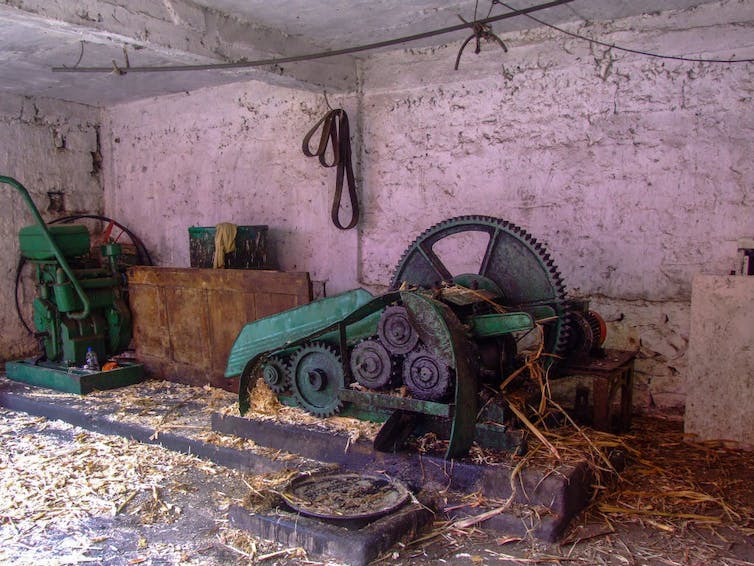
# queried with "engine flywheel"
point(316, 375)
point(513, 266)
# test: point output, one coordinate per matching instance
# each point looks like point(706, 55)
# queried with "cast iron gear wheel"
point(371, 364)
point(275, 374)
point(599, 328)
point(513, 262)
point(427, 377)
point(395, 331)
point(316, 375)
point(582, 339)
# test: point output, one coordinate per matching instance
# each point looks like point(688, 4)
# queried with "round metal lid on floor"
point(345, 496)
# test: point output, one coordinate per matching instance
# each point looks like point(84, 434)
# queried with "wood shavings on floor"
point(265, 406)
point(69, 496)
point(674, 483)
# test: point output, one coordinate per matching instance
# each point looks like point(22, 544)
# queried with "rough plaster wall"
point(637, 172)
point(228, 154)
point(48, 146)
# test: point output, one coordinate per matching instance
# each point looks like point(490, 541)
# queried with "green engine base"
point(73, 380)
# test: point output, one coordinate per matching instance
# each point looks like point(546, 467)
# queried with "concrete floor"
point(72, 496)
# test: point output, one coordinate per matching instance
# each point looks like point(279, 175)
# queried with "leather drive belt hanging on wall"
point(335, 130)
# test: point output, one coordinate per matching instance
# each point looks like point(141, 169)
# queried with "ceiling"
point(37, 35)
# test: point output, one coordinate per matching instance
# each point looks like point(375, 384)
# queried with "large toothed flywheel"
point(513, 265)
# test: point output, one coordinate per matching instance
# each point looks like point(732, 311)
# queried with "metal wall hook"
point(481, 31)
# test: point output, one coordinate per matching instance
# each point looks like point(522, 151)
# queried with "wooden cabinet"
point(185, 320)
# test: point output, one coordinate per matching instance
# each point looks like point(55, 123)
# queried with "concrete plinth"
point(721, 360)
point(559, 494)
point(321, 539)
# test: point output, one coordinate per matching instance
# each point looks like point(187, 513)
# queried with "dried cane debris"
point(265, 406)
point(675, 483)
point(55, 480)
point(669, 485)
point(700, 493)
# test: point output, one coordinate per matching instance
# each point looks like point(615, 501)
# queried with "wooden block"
point(186, 320)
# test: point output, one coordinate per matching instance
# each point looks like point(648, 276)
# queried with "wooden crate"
point(185, 320)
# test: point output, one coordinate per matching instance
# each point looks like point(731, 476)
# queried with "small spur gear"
point(371, 364)
point(395, 331)
point(316, 378)
point(426, 376)
point(275, 374)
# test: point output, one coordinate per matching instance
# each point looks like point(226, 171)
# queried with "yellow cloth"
point(225, 242)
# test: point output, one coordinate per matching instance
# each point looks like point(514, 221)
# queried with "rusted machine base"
point(562, 492)
point(611, 375)
point(355, 545)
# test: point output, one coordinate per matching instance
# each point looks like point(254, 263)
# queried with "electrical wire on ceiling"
point(310, 56)
point(481, 32)
point(618, 47)
point(514, 12)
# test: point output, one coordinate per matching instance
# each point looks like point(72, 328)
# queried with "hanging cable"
point(618, 47)
point(312, 56)
point(514, 12)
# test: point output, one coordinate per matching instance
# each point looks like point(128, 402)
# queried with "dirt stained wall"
point(229, 154)
point(635, 171)
point(52, 148)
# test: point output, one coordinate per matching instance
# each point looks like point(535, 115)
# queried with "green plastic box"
point(251, 247)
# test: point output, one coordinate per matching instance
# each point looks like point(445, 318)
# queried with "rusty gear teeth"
point(395, 331)
point(275, 373)
point(371, 364)
point(426, 376)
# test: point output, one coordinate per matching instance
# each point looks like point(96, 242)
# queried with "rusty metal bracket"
point(481, 32)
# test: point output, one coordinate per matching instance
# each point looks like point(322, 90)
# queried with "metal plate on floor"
point(345, 496)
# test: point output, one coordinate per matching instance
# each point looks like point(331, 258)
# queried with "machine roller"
point(420, 354)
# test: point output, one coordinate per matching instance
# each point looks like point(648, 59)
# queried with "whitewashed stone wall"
point(229, 154)
point(636, 172)
point(49, 146)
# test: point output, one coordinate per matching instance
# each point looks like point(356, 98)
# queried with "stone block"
point(721, 359)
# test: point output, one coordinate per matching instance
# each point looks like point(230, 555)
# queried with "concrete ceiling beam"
point(171, 32)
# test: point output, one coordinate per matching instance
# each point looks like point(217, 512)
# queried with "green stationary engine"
point(79, 305)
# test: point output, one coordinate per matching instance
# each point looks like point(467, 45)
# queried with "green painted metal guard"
point(488, 325)
point(353, 315)
point(443, 333)
point(252, 346)
point(86, 310)
point(280, 330)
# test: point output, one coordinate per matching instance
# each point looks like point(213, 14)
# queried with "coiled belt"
point(335, 130)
